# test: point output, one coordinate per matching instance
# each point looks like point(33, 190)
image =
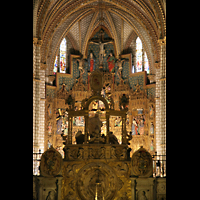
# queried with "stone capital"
point(37, 42)
point(162, 41)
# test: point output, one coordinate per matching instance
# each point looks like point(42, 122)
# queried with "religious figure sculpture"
point(101, 42)
point(123, 102)
point(49, 128)
point(102, 152)
point(81, 66)
point(95, 136)
point(110, 101)
point(113, 153)
point(51, 195)
point(151, 111)
point(91, 62)
point(152, 128)
point(111, 62)
point(119, 65)
point(142, 196)
point(79, 137)
point(94, 123)
point(91, 153)
point(124, 154)
point(70, 101)
point(70, 196)
point(124, 197)
point(112, 138)
point(80, 154)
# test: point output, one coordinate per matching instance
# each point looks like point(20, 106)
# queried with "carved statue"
point(69, 155)
point(81, 66)
point(124, 197)
point(122, 168)
point(102, 153)
point(94, 124)
point(112, 138)
point(79, 137)
point(142, 196)
point(80, 154)
point(124, 154)
point(113, 153)
point(83, 102)
point(91, 153)
point(70, 101)
point(70, 196)
point(101, 44)
point(119, 64)
point(51, 195)
point(123, 102)
point(95, 137)
point(110, 101)
point(91, 62)
point(111, 62)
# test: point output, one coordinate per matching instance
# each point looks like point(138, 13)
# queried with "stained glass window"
point(55, 69)
point(138, 55)
point(146, 63)
point(63, 48)
point(133, 69)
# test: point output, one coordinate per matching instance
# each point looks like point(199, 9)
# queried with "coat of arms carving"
point(51, 162)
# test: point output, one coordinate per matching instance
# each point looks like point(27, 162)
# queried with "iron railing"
point(159, 164)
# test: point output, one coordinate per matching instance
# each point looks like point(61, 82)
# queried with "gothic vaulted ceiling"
point(125, 19)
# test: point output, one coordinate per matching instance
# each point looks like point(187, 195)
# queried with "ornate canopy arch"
point(98, 98)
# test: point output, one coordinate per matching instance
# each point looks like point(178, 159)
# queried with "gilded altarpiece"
point(141, 109)
point(120, 81)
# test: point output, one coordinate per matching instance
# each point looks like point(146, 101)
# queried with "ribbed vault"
point(55, 19)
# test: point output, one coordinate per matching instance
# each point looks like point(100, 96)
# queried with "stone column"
point(151, 183)
point(133, 185)
point(38, 98)
point(107, 128)
point(157, 110)
point(86, 126)
point(59, 183)
point(69, 139)
point(124, 139)
point(40, 190)
point(162, 80)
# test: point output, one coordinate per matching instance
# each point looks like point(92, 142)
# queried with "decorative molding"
point(162, 79)
point(157, 65)
point(37, 42)
point(43, 66)
point(162, 41)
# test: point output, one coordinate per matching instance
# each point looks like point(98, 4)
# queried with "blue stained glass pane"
point(63, 47)
point(138, 55)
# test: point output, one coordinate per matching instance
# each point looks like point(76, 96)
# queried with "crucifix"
point(101, 42)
